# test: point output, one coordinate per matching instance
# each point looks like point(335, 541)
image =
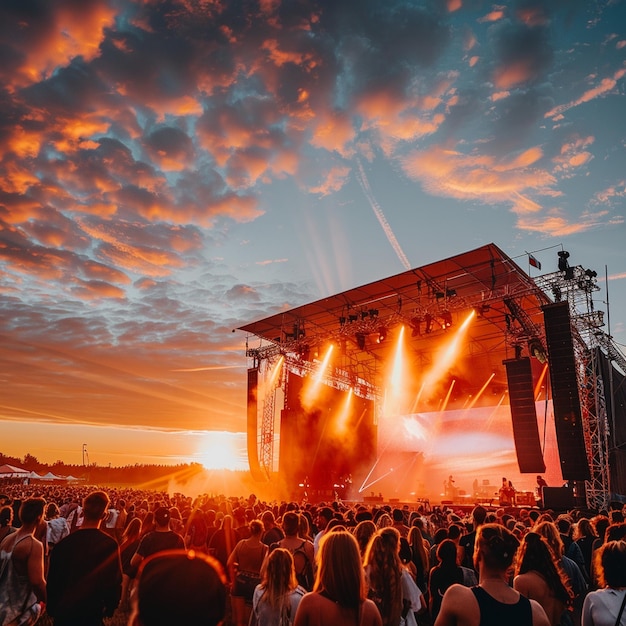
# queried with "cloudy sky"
point(171, 170)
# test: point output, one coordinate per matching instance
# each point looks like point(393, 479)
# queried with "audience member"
point(276, 599)
point(178, 587)
point(339, 595)
point(539, 576)
point(22, 585)
point(493, 601)
point(85, 576)
point(605, 607)
point(244, 567)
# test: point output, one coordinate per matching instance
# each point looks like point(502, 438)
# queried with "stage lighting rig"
point(382, 334)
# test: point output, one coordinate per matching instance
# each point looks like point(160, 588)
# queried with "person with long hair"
point(339, 595)
point(605, 607)
point(419, 556)
point(575, 578)
point(390, 585)
point(363, 532)
point(447, 573)
point(493, 602)
point(539, 576)
point(276, 599)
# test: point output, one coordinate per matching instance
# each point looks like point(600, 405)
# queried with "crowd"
point(80, 556)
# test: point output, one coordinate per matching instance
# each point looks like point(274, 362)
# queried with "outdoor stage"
point(466, 366)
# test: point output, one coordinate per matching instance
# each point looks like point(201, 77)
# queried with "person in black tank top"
point(494, 613)
point(493, 602)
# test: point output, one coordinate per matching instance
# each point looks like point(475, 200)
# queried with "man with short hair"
point(467, 542)
point(161, 538)
point(301, 549)
point(398, 523)
point(85, 575)
point(324, 515)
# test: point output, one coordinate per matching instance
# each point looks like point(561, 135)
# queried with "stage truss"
point(508, 306)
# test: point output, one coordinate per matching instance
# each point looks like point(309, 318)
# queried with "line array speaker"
point(524, 416)
point(564, 383)
point(252, 423)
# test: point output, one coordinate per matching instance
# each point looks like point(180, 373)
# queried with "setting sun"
point(221, 450)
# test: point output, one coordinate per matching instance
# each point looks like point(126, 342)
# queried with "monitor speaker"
point(558, 498)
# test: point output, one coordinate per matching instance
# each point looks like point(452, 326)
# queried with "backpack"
point(303, 567)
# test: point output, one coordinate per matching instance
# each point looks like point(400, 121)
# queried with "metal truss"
point(576, 286)
point(266, 456)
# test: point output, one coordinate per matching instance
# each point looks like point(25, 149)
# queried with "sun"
point(222, 450)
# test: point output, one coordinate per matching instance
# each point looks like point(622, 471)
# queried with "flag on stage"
point(534, 262)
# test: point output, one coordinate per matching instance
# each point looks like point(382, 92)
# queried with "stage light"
point(556, 292)
point(446, 316)
point(382, 334)
point(364, 315)
point(342, 321)
point(353, 318)
point(373, 313)
point(591, 273)
point(360, 340)
point(535, 347)
point(563, 263)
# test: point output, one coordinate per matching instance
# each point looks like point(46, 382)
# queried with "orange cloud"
point(333, 131)
point(493, 16)
point(607, 85)
point(73, 30)
point(555, 225)
point(513, 74)
point(334, 180)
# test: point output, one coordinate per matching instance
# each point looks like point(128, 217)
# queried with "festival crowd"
point(85, 556)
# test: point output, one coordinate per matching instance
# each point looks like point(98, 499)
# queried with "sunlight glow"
point(221, 450)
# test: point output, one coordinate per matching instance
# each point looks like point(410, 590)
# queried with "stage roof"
point(431, 302)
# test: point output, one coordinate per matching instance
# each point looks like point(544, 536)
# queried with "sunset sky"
point(170, 171)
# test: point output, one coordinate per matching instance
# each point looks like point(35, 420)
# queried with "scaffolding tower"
point(576, 286)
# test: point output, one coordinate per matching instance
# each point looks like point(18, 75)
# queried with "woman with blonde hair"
point(276, 599)
point(339, 595)
point(390, 585)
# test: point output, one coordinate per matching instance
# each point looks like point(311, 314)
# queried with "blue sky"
point(172, 170)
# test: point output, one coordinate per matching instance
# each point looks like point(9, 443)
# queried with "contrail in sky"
point(381, 216)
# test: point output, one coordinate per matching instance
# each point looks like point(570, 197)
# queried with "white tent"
point(11, 471)
point(51, 476)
